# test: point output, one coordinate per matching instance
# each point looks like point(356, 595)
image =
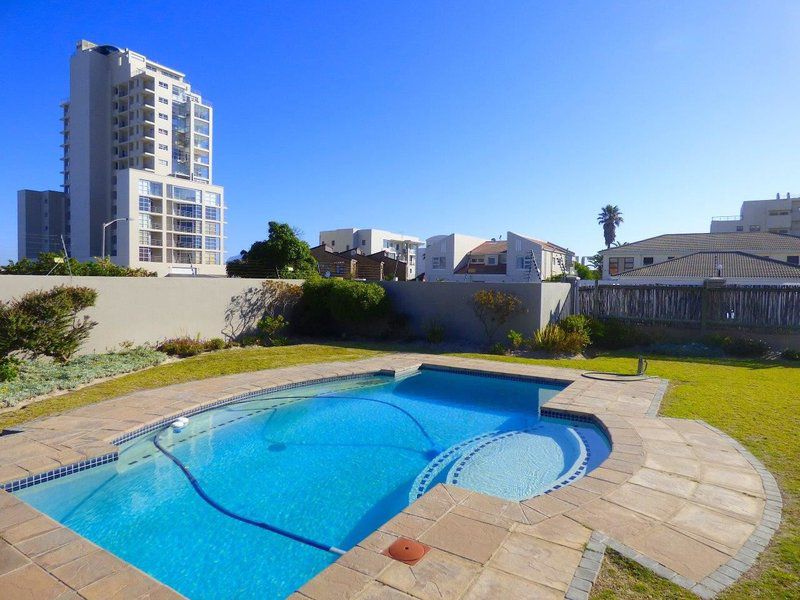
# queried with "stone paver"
point(678, 496)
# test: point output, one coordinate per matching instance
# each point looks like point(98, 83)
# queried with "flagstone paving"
point(678, 496)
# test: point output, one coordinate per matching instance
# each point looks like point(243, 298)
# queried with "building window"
point(212, 243)
point(163, 131)
point(145, 254)
point(333, 243)
point(363, 242)
point(150, 188)
point(793, 260)
point(212, 258)
point(439, 262)
point(755, 227)
point(145, 204)
point(212, 214)
point(212, 198)
point(647, 260)
point(163, 85)
point(188, 210)
point(491, 260)
point(182, 193)
point(163, 162)
point(163, 116)
point(613, 266)
point(163, 101)
point(627, 264)
point(163, 147)
point(740, 228)
point(212, 229)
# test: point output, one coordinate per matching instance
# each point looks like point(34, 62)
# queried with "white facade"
point(138, 145)
point(458, 257)
point(781, 215)
point(369, 241)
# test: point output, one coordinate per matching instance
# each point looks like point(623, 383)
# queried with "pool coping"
point(581, 398)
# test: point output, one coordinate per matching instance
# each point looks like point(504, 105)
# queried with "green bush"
point(554, 339)
point(744, 347)
point(578, 323)
point(249, 340)
point(46, 323)
point(790, 354)
point(42, 376)
point(434, 332)
point(182, 346)
point(271, 328)
point(342, 307)
point(9, 368)
point(497, 348)
point(214, 344)
point(515, 339)
point(493, 308)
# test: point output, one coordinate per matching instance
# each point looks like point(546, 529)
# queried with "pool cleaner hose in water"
point(229, 513)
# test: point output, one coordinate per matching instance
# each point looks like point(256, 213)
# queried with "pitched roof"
point(704, 264)
point(490, 248)
point(545, 244)
point(755, 241)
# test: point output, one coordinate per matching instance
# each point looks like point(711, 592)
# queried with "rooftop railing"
point(727, 218)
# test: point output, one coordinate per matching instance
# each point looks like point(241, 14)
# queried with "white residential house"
point(370, 241)
point(519, 258)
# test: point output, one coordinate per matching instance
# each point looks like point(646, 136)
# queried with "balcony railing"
point(727, 218)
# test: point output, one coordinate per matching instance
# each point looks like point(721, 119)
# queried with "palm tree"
point(610, 218)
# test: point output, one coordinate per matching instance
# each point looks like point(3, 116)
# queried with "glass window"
point(163, 147)
point(200, 127)
point(201, 112)
point(163, 162)
point(212, 214)
point(613, 266)
point(163, 84)
point(201, 171)
point(793, 260)
point(188, 241)
point(163, 131)
point(755, 227)
point(628, 264)
point(212, 198)
point(212, 243)
point(145, 204)
point(188, 210)
point(439, 262)
point(647, 260)
point(150, 188)
point(213, 258)
point(182, 193)
point(212, 228)
point(491, 260)
point(163, 116)
point(163, 101)
point(201, 142)
point(145, 254)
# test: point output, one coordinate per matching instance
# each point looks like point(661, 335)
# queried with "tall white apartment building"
point(781, 215)
point(138, 146)
point(371, 241)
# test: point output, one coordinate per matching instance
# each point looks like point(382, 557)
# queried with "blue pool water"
point(330, 462)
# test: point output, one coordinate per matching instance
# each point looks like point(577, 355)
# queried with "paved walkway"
point(678, 496)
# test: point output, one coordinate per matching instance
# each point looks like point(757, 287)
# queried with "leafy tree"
point(610, 218)
point(597, 263)
point(282, 255)
point(585, 272)
point(50, 263)
point(493, 308)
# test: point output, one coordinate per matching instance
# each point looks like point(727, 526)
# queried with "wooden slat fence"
point(770, 307)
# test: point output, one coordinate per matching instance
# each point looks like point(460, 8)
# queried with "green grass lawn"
point(212, 364)
point(756, 402)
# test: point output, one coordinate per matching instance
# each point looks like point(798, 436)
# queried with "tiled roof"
point(490, 248)
point(670, 243)
point(546, 245)
point(479, 269)
point(704, 264)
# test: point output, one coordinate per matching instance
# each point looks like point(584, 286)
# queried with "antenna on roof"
point(777, 196)
point(788, 196)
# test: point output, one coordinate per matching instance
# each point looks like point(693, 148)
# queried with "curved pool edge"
point(435, 519)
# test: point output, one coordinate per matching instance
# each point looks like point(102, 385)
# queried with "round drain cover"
point(406, 550)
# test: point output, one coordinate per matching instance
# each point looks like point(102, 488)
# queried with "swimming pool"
point(328, 462)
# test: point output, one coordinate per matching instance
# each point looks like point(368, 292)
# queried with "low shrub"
point(744, 347)
point(497, 348)
point(182, 346)
point(50, 263)
point(515, 339)
point(579, 323)
point(46, 323)
point(434, 332)
point(271, 328)
point(214, 344)
point(556, 340)
point(249, 340)
point(42, 376)
point(493, 308)
point(790, 354)
point(9, 368)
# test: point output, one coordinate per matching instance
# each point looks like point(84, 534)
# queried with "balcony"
point(727, 218)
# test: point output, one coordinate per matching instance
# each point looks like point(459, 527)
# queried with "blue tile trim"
point(18, 484)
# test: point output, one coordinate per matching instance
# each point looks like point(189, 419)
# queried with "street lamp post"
point(103, 252)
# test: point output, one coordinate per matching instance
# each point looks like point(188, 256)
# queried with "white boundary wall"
point(150, 309)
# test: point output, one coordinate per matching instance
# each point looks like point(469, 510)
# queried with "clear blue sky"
point(435, 117)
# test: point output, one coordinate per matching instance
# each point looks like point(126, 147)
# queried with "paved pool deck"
point(677, 496)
